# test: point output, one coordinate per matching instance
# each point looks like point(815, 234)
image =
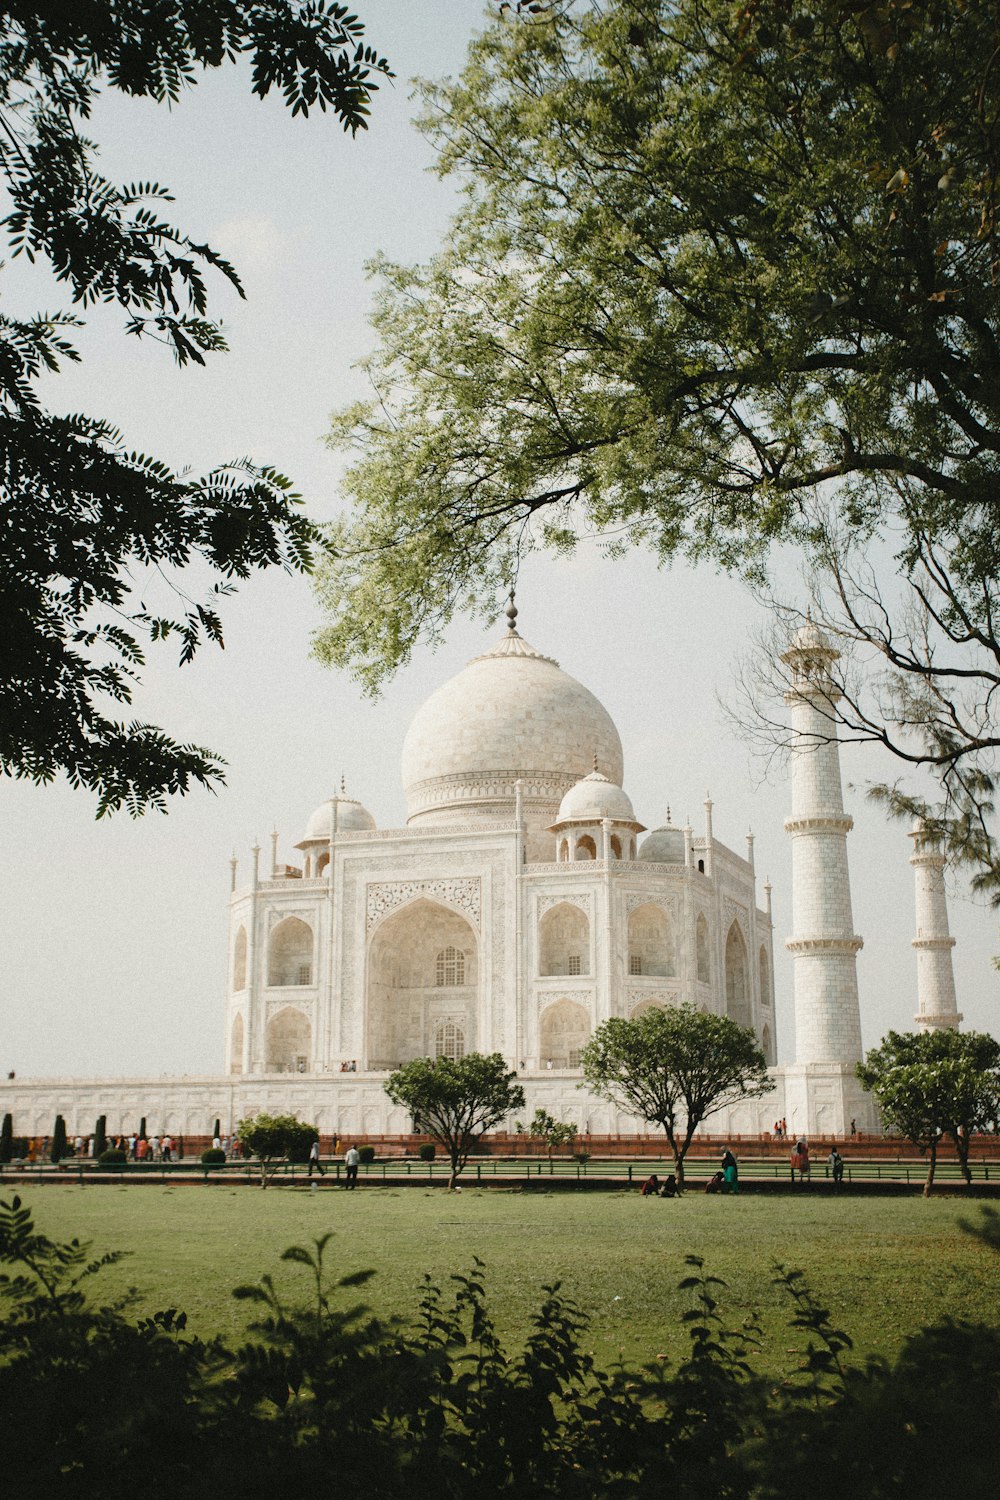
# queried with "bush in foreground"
point(326, 1389)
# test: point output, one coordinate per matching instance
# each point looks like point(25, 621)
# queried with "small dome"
point(593, 799)
point(809, 637)
point(665, 846)
point(351, 818)
point(809, 642)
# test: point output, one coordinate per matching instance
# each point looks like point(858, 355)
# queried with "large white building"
point(522, 904)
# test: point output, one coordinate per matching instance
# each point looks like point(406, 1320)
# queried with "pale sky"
point(114, 933)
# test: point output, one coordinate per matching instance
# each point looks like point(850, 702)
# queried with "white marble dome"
point(593, 799)
point(352, 817)
point(509, 715)
point(664, 846)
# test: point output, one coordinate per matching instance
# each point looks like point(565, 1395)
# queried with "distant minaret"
point(936, 1009)
point(824, 944)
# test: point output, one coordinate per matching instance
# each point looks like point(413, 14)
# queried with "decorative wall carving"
point(404, 835)
point(733, 913)
point(636, 899)
point(278, 914)
point(581, 899)
point(304, 1007)
point(462, 894)
point(642, 997)
point(551, 997)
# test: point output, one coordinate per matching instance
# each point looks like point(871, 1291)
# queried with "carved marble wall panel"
point(464, 894)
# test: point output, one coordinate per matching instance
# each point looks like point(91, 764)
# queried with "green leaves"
point(81, 516)
point(677, 300)
point(276, 1138)
point(936, 1083)
point(456, 1100)
point(674, 1066)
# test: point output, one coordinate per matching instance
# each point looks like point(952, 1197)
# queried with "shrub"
point(275, 1138)
point(213, 1157)
point(582, 1157)
point(270, 1416)
point(113, 1157)
point(366, 1153)
point(426, 1151)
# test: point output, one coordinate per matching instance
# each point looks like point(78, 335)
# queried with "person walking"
point(314, 1161)
point(836, 1164)
point(352, 1157)
point(799, 1160)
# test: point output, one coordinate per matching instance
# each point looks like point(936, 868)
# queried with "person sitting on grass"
point(714, 1184)
point(669, 1188)
point(651, 1186)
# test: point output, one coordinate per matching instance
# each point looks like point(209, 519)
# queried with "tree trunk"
point(454, 1174)
point(679, 1152)
point(962, 1146)
point(263, 1174)
point(930, 1169)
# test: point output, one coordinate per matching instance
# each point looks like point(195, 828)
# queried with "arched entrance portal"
point(422, 986)
point(737, 978)
point(563, 1032)
point(289, 1042)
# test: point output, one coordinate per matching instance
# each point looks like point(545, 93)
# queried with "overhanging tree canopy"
point(83, 517)
point(715, 259)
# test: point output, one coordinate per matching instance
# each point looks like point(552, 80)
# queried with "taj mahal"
point(523, 904)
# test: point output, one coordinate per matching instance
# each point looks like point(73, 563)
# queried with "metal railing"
point(490, 1170)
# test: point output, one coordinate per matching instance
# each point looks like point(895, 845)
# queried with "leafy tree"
point(724, 274)
point(100, 1136)
point(89, 525)
point(274, 1139)
point(933, 1084)
point(675, 1066)
point(456, 1099)
point(59, 1146)
point(544, 1127)
point(7, 1138)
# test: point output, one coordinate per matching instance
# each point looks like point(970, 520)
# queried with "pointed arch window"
point(449, 1041)
point(450, 968)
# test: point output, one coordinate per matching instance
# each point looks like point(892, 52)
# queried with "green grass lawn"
point(883, 1266)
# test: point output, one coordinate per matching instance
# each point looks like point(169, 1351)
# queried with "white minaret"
point(936, 1008)
point(822, 1092)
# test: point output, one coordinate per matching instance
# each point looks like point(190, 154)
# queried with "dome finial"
point(343, 785)
point(596, 766)
point(511, 613)
point(670, 820)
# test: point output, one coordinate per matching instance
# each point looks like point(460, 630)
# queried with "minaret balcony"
point(841, 823)
point(825, 944)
